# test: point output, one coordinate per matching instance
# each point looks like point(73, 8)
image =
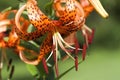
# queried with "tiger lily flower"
point(71, 18)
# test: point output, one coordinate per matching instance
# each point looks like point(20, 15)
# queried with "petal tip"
point(99, 8)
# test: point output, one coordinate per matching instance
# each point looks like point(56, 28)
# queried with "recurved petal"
point(99, 8)
point(24, 59)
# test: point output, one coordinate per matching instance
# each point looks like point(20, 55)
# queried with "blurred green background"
point(103, 56)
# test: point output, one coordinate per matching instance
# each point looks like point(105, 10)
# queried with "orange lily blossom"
point(72, 18)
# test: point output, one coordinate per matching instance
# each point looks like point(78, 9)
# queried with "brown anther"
point(45, 65)
point(76, 63)
point(90, 38)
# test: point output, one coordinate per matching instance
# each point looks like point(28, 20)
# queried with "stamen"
point(90, 38)
point(85, 36)
point(56, 70)
point(76, 63)
point(86, 31)
point(55, 60)
point(61, 45)
point(84, 52)
point(45, 65)
point(76, 46)
point(60, 37)
point(55, 48)
point(49, 56)
point(87, 28)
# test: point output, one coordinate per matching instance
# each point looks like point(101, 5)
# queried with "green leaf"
point(49, 8)
point(33, 70)
point(7, 9)
point(29, 45)
point(30, 28)
point(11, 15)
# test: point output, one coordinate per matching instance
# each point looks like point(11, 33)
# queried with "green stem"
point(0, 63)
point(0, 75)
